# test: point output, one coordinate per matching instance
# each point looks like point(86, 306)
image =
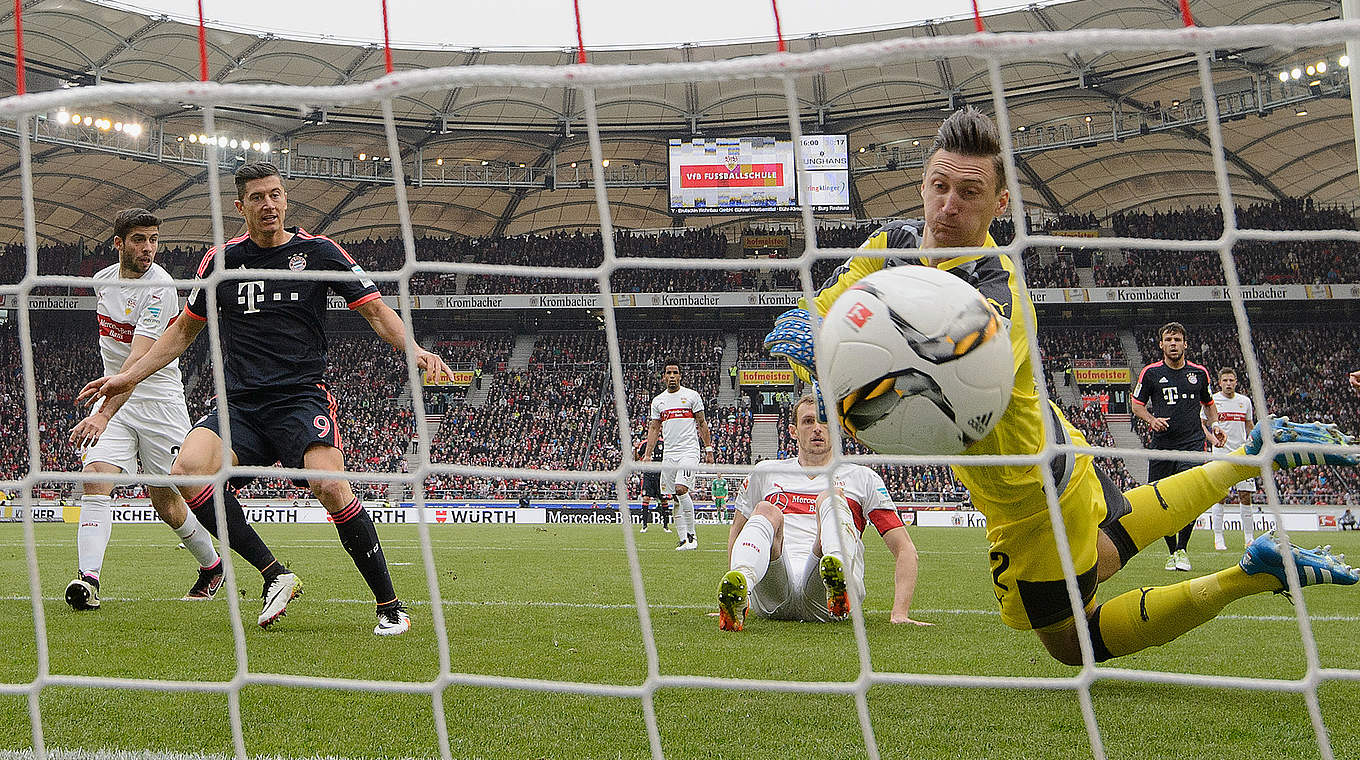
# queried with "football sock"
point(1183, 538)
point(678, 514)
point(1216, 518)
point(241, 537)
point(1164, 507)
point(92, 537)
point(687, 509)
point(1248, 527)
point(1154, 615)
point(837, 536)
point(751, 552)
point(360, 539)
point(197, 540)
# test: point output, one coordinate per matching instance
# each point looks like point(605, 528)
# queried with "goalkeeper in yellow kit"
point(963, 190)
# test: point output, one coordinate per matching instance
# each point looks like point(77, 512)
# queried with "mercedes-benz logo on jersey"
point(298, 262)
point(780, 500)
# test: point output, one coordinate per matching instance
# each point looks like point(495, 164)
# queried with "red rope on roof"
point(977, 18)
point(19, 86)
point(1186, 16)
point(387, 40)
point(580, 40)
point(202, 45)
point(778, 30)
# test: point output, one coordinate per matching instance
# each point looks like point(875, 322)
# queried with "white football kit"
point(792, 588)
point(680, 431)
point(154, 421)
point(1236, 418)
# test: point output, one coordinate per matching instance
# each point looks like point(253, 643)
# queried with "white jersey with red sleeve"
point(1236, 417)
point(679, 430)
point(125, 311)
point(785, 484)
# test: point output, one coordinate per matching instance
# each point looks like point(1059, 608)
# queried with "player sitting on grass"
point(788, 554)
point(963, 189)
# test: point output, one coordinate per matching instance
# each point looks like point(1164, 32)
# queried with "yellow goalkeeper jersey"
point(1003, 493)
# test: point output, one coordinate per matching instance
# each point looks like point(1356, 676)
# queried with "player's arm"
point(792, 338)
point(904, 574)
point(1217, 436)
point(388, 326)
point(898, 234)
point(87, 431)
point(167, 348)
point(701, 424)
point(1141, 394)
point(653, 433)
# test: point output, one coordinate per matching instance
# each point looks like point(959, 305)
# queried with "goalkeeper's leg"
point(1152, 616)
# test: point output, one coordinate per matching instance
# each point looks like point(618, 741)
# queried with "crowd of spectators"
point(558, 412)
point(1060, 346)
point(1258, 262)
point(76, 260)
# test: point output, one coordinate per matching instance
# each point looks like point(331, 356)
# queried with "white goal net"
point(791, 71)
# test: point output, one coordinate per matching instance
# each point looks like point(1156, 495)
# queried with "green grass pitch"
point(556, 602)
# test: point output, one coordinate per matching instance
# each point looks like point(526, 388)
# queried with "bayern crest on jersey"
point(298, 262)
point(1194, 379)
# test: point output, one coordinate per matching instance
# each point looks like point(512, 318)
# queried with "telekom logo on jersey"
point(249, 294)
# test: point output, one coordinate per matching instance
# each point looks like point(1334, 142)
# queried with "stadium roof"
point(1069, 105)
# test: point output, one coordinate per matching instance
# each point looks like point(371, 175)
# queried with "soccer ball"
point(915, 361)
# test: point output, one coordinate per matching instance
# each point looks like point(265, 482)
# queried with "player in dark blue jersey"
point(1168, 397)
point(274, 357)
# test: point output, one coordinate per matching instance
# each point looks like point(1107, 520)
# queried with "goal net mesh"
point(586, 81)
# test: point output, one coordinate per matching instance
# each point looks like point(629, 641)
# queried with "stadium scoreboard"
point(727, 175)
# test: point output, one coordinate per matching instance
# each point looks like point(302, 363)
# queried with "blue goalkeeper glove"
point(821, 404)
point(792, 338)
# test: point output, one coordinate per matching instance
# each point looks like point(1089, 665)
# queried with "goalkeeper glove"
point(792, 338)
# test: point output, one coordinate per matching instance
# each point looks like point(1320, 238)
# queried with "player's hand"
point(431, 363)
point(104, 387)
point(792, 338)
point(902, 617)
point(1219, 437)
point(1158, 423)
point(86, 432)
point(1354, 377)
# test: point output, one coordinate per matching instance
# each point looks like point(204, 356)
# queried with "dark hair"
point(669, 361)
point(1172, 327)
point(970, 132)
point(257, 170)
point(133, 217)
point(1227, 371)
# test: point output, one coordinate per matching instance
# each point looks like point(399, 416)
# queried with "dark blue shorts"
point(278, 426)
point(1165, 468)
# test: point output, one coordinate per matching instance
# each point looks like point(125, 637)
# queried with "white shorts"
point(151, 431)
point(1248, 485)
point(678, 473)
point(792, 588)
